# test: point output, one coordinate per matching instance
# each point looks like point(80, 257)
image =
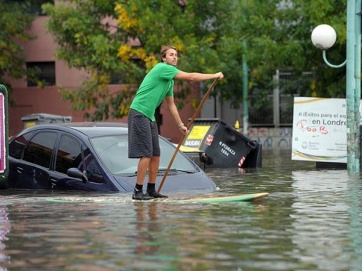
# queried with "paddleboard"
point(234, 198)
point(219, 199)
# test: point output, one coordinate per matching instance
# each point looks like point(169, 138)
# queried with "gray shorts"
point(143, 138)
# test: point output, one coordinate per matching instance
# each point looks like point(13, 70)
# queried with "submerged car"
point(91, 156)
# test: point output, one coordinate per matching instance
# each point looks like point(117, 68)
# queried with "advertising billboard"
point(319, 130)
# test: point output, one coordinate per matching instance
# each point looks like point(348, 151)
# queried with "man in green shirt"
point(143, 140)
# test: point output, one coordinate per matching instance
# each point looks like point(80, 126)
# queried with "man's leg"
point(143, 165)
point(153, 169)
point(139, 146)
point(152, 175)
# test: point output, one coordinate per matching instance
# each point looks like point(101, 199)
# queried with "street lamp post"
point(323, 37)
point(245, 95)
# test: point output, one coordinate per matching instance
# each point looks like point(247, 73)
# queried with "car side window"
point(39, 149)
point(17, 146)
point(69, 154)
point(93, 171)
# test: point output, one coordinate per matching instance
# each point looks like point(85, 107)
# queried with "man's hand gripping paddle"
point(188, 128)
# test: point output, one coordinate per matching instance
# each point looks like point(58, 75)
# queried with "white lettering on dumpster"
point(192, 143)
point(225, 149)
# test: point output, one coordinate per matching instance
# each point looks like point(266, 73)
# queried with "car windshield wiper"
point(176, 170)
point(172, 171)
point(126, 173)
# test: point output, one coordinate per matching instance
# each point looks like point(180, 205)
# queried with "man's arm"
point(170, 101)
point(197, 77)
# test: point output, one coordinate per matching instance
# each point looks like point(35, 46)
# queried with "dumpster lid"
point(40, 116)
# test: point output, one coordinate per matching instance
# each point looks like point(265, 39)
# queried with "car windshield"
point(113, 152)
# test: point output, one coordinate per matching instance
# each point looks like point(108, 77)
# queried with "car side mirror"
point(76, 173)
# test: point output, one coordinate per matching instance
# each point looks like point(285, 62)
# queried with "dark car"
point(92, 157)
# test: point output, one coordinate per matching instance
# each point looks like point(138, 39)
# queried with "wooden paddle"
point(188, 127)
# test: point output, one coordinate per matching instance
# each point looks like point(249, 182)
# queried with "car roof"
point(90, 129)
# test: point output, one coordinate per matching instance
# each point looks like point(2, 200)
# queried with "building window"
point(34, 6)
point(116, 79)
point(40, 73)
point(119, 78)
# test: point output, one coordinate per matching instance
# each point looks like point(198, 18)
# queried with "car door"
point(16, 151)
point(30, 166)
point(68, 154)
point(97, 179)
point(72, 153)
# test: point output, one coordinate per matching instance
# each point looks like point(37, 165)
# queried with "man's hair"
point(164, 48)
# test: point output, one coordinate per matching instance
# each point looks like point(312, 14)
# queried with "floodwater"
point(311, 220)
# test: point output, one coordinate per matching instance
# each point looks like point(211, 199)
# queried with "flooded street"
point(311, 220)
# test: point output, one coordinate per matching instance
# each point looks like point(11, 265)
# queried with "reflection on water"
point(4, 229)
point(323, 225)
point(310, 221)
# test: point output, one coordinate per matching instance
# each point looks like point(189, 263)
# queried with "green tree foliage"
point(210, 37)
point(196, 28)
point(14, 23)
point(278, 36)
point(89, 41)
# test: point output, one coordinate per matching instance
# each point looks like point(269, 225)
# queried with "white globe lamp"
point(324, 36)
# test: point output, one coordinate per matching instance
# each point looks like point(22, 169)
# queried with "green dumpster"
point(43, 118)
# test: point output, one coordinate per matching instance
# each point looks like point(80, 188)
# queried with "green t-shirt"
point(157, 84)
